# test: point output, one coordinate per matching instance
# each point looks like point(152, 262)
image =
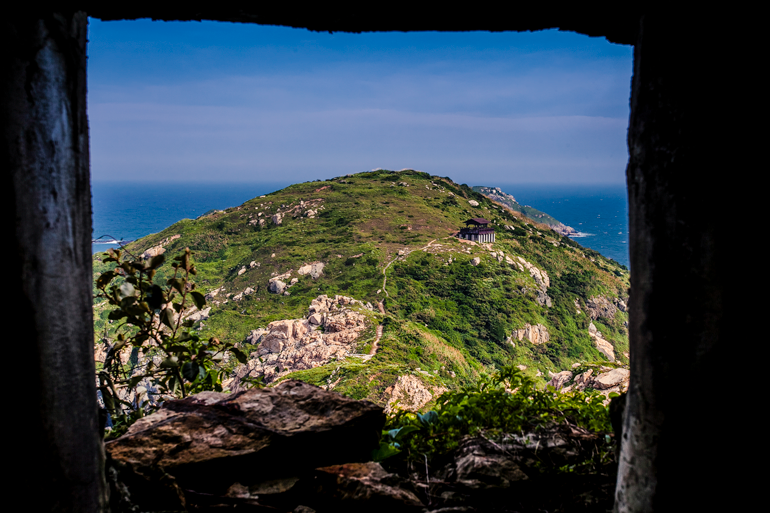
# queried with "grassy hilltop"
point(387, 237)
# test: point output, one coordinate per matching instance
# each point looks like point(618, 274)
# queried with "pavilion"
point(477, 230)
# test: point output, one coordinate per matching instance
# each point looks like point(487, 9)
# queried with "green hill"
point(426, 318)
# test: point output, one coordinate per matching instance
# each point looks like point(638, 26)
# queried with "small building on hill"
point(477, 230)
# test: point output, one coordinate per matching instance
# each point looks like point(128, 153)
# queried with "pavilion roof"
point(477, 220)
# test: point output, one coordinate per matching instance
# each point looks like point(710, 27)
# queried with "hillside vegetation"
point(428, 316)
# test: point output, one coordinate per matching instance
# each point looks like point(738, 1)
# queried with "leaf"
point(190, 371)
point(156, 261)
point(198, 299)
point(155, 297)
point(105, 279)
point(167, 317)
point(135, 381)
point(242, 358)
point(177, 283)
point(402, 432)
point(171, 362)
point(116, 314)
point(109, 403)
point(385, 451)
point(428, 418)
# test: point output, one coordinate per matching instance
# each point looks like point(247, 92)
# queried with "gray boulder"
point(276, 286)
point(210, 441)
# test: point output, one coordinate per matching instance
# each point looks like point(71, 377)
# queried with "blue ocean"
point(598, 212)
point(128, 211)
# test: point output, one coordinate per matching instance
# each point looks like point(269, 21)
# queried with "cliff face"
point(358, 284)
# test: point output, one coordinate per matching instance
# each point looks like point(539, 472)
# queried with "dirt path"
point(376, 342)
point(385, 269)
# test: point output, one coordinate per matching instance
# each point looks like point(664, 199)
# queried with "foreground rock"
point(358, 487)
point(205, 445)
point(505, 474)
point(299, 448)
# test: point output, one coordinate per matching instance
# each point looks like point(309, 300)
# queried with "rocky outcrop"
point(228, 446)
point(298, 344)
point(475, 261)
point(473, 203)
point(611, 379)
point(537, 334)
point(410, 393)
point(563, 229)
point(541, 279)
point(199, 315)
point(604, 346)
point(276, 286)
point(160, 248)
point(599, 306)
point(314, 269)
point(604, 379)
point(560, 379)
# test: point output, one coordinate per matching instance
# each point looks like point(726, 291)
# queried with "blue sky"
point(229, 102)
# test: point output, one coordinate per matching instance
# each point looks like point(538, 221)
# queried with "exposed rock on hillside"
point(541, 279)
point(410, 393)
point(298, 344)
point(314, 269)
point(604, 346)
point(559, 379)
point(160, 248)
point(603, 379)
point(537, 334)
point(600, 306)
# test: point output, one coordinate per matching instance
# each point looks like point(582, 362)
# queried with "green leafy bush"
point(506, 402)
point(152, 321)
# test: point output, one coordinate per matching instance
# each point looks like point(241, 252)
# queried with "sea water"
point(129, 211)
point(598, 212)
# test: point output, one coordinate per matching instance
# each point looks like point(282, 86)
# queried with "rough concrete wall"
point(679, 249)
point(618, 23)
point(46, 202)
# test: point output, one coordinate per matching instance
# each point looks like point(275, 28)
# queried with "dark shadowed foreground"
point(297, 446)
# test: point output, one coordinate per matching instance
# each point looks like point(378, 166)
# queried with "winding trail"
point(384, 270)
point(375, 344)
point(381, 306)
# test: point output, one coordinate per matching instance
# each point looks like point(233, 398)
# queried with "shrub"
point(152, 323)
point(507, 402)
